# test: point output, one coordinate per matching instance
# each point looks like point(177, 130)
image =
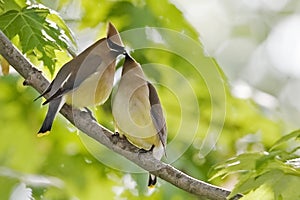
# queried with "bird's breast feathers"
point(94, 90)
point(133, 117)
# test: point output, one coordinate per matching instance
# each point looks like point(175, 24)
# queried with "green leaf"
point(1, 6)
point(263, 191)
point(242, 163)
point(294, 134)
point(283, 186)
point(38, 35)
point(11, 5)
point(261, 162)
point(257, 169)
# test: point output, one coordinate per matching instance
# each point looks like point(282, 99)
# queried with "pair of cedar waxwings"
point(87, 80)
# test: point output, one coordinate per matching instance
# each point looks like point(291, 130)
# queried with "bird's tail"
point(152, 181)
point(54, 107)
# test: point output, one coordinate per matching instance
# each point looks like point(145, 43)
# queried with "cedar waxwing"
point(85, 80)
point(138, 113)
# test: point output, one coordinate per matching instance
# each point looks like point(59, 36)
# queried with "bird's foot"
point(115, 137)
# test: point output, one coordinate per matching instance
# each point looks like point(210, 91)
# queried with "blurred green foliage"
point(192, 88)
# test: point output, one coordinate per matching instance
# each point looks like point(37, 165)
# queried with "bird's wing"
point(58, 81)
point(76, 71)
point(86, 68)
point(157, 114)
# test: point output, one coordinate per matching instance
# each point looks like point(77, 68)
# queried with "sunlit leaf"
point(294, 134)
point(38, 35)
point(257, 169)
point(263, 191)
point(282, 185)
point(10, 5)
point(242, 163)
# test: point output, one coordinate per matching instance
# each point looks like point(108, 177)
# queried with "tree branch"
point(86, 124)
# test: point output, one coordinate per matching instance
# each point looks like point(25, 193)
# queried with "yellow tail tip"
point(151, 186)
point(43, 134)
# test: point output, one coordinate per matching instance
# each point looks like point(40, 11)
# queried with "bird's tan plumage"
point(85, 80)
point(137, 111)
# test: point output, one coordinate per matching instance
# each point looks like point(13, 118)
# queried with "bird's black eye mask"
point(115, 47)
